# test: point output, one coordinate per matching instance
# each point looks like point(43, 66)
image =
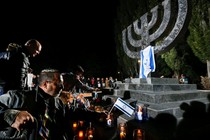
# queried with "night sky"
point(71, 33)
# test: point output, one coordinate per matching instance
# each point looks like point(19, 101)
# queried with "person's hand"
point(22, 119)
point(71, 98)
point(78, 77)
point(81, 98)
point(96, 89)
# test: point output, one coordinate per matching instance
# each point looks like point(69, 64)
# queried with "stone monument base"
point(161, 94)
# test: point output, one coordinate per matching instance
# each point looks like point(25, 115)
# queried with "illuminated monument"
point(161, 94)
point(143, 32)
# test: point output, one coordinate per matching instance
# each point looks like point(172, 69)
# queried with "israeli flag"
point(124, 107)
point(147, 61)
point(5, 55)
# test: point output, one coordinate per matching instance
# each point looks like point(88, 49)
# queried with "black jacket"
point(15, 70)
point(35, 102)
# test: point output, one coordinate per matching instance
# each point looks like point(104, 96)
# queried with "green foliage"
point(182, 60)
point(199, 39)
point(205, 82)
point(172, 60)
point(179, 59)
point(163, 68)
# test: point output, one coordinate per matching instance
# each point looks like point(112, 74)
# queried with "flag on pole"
point(147, 61)
point(124, 107)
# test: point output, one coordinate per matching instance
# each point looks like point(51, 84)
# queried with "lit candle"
point(74, 125)
point(90, 134)
point(140, 113)
point(139, 134)
point(81, 134)
point(81, 123)
point(90, 137)
point(122, 135)
point(122, 130)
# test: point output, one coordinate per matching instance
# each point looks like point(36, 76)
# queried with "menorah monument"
point(161, 94)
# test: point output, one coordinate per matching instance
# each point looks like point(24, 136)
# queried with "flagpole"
point(111, 109)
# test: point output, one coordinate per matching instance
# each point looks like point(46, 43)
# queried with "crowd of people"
point(44, 111)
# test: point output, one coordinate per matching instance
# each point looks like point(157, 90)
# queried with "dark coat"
point(16, 69)
point(37, 103)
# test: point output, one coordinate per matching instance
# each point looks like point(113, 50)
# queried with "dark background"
point(71, 33)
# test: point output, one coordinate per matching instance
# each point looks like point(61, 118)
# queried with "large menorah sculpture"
point(143, 31)
point(161, 94)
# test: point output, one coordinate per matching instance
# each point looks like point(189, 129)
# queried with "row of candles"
point(140, 115)
point(78, 128)
point(81, 133)
point(138, 134)
point(88, 134)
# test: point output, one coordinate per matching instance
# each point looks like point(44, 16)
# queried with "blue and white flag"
point(124, 107)
point(5, 55)
point(147, 61)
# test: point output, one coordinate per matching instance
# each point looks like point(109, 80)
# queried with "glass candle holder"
point(110, 120)
point(81, 135)
point(89, 134)
point(138, 134)
point(122, 128)
point(75, 127)
point(139, 113)
point(81, 123)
